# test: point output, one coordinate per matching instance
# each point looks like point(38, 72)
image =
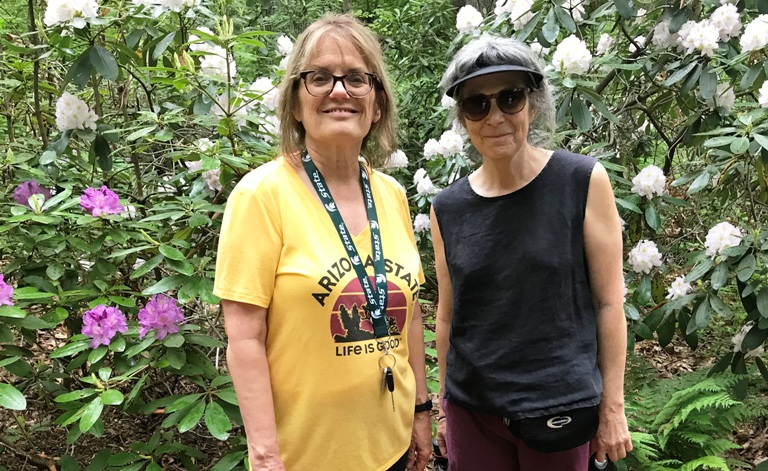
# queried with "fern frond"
point(707, 462)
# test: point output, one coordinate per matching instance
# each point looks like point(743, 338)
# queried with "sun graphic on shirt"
point(350, 321)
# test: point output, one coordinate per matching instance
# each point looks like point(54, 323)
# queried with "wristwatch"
point(423, 407)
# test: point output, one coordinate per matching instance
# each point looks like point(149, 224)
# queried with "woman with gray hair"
point(319, 274)
point(531, 335)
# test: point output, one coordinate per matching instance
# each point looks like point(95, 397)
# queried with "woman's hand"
point(441, 434)
point(612, 436)
point(270, 464)
point(421, 449)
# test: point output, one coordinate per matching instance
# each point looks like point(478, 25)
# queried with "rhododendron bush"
point(127, 124)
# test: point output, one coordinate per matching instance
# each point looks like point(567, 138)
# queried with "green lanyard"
point(376, 305)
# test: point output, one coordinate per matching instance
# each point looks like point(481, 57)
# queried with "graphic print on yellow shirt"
point(280, 250)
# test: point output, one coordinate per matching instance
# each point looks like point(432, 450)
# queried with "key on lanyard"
point(388, 378)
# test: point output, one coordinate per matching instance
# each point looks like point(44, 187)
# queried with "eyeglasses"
point(321, 83)
point(509, 101)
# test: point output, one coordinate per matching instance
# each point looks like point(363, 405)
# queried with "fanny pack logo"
point(558, 421)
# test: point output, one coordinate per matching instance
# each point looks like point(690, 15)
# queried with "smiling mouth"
point(340, 111)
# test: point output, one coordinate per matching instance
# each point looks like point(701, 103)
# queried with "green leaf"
point(193, 417)
point(628, 206)
point(227, 395)
point(11, 398)
point(147, 266)
point(739, 145)
point(719, 276)
point(68, 463)
point(216, 421)
point(708, 83)
point(91, 414)
point(699, 270)
point(746, 267)
point(75, 395)
point(176, 357)
point(721, 365)
point(12, 312)
point(699, 183)
point(762, 302)
point(104, 62)
point(112, 397)
point(679, 74)
point(678, 19)
point(79, 73)
point(69, 349)
point(551, 29)
point(97, 354)
point(625, 8)
point(703, 314)
point(103, 152)
point(643, 290)
point(719, 306)
point(166, 284)
point(762, 140)
point(764, 372)
point(205, 341)
point(140, 347)
point(228, 462)
point(652, 217)
point(751, 75)
point(163, 45)
point(581, 114)
point(564, 18)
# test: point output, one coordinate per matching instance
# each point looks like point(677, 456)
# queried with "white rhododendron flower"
point(739, 338)
point(682, 34)
point(539, 49)
point(519, 11)
point(640, 15)
point(421, 223)
point(622, 223)
point(210, 177)
point(73, 113)
point(468, 19)
point(284, 45)
point(447, 102)
point(763, 98)
point(724, 97)
point(649, 182)
point(604, 44)
point(425, 187)
point(234, 108)
point(662, 37)
point(722, 236)
point(266, 91)
point(625, 291)
point(640, 41)
point(755, 34)
point(176, 5)
point(451, 143)
point(576, 7)
point(701, 37)
point(398, 159)
point(432, 148)
point(74, 13)
point(726, 20)
point(678, 289)
point(215, 62)
point(572, 56)
point(204, 144)
point(419, 175)
point(644, 256)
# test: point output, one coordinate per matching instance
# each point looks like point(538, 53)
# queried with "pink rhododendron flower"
point(101, 201)
point(28, 188)
point(6, 292)
point(162, 314)
point(102, 323)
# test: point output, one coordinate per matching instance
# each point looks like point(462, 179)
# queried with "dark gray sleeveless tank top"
point(523, 339)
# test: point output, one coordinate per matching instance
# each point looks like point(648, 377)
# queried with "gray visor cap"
point(536, 77)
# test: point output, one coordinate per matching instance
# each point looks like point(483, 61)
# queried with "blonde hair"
point(380, 141)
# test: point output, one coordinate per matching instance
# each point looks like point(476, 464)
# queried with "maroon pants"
point(482, 442)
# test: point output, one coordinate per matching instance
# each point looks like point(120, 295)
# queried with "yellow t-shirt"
point(280, 250)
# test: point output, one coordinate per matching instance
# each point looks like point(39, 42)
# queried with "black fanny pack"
point(557, 432)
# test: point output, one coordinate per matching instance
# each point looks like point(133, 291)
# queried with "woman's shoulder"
point(265, 177)
point(573, 158)
point(386, 182)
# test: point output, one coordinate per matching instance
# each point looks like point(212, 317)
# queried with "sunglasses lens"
point(476, 108)
point(511, 101)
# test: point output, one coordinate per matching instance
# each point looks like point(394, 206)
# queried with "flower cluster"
point(662, 37)
point(576, 8)
point(161, 6)
point(73, 113)
point(210, 177)
point(519, 11)
point(540, 50)
point(266, 92)
point(644, 256)
point(649, 182)
point(101, 201)
point(218, 63)
point(102, 323)
point(755, 34)
point(724, 97)
point(424, 185)
point(722, 236)
point(468, 19)
point(284, 45)
point(30, 187)
point(640, 41)
point(700, 36)
point(572, 56)
point(398, 159)
point(451, 143)
point(74, 13)
point(738, 339)
point(726, 20)
point(6, 292)
point(162, 314)
point(447, 102)
point(421, 223)
point(763, 98)
point(432, 148)
point(678, 289)
point(604, 44)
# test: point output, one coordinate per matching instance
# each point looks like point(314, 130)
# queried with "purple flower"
point(28, 188)
point(160, 313)
point(101, 201)
point(6, 292)
point(102, 323)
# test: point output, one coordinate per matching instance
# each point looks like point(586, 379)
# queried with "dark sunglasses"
point(509, 101)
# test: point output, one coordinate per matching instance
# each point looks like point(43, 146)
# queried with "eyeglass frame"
point(494, 97)
point(374, 82)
